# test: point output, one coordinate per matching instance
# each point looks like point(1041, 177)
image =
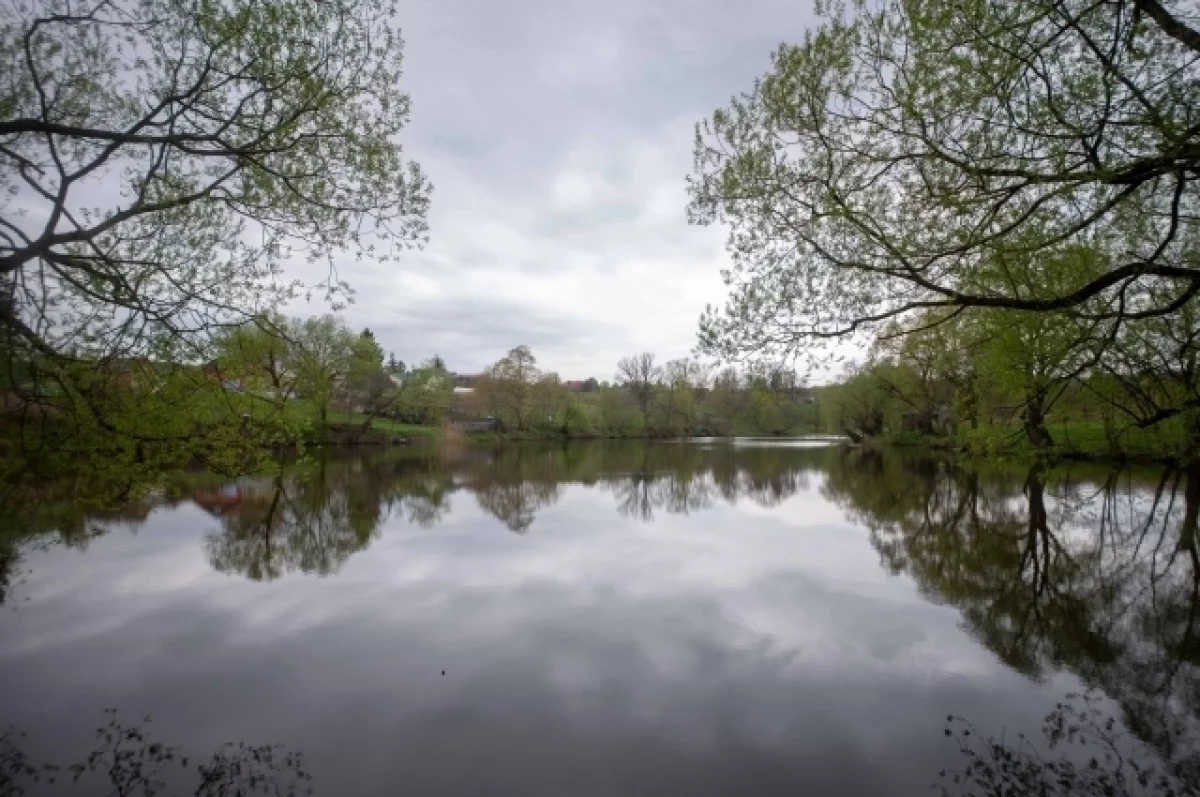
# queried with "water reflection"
point(1102, 764)
point(1073, 568)
point(128, 761)
point(269, 530)
point(314, 516)
point(1079, 569)
point(316, 513)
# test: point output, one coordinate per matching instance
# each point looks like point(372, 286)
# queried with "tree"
point(1152, 376)
point(618, 418)
point(902, 149)
point(725, 402)
point(160, 165)
point(323, 353)
point(226, 138)
point(548, 399)
point(424, 395)
point(577, 420)
point(366, 355)
point(639, 375)
point(774, 399)
point(506, 388)
point(862, 405)
point(944, 356)
point(369, 389)
point(256, 357)
point(1034, 358)
point(920, 374)
point(676, 408)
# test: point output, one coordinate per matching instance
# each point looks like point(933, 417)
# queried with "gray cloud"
point(559, 137)
point(731, 650)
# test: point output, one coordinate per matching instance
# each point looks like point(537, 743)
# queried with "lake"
point(611, 618)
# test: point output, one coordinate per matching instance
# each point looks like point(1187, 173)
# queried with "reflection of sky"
point(739, 648)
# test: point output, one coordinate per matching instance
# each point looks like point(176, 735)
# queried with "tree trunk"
point(1191, 503)
point(1192, 423)
point(972, 404)
point(1035, 492)
point(1035, 421)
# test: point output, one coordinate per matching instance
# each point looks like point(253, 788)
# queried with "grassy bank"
point(1084, 440)
point(307, 416)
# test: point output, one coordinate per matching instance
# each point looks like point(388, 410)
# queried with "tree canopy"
point(917, 155)
point(161, 161)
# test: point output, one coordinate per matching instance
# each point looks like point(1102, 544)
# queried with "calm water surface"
point(672, 618)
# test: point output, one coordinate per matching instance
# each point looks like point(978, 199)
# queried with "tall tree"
point(677, 408)
point(257, 357)
point(506, 389)
point(396, 367)
point(161, 162)
point(639, 374)
point(904, 146)
point(323, 353)
point(368, 388)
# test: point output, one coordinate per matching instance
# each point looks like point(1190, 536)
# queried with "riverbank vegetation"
point(999, 199)
point(683, 397)
point(162, 165)
point(1009, 233)
point(992, 383)
point(1046, 565)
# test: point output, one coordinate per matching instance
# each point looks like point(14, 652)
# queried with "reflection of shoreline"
point(1098, 578)
point(131, 762)
point(1014, 551)
point(314, 515)
point(1084, 752)
point(228, 498)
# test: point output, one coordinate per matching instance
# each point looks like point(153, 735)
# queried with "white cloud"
point(558, 138)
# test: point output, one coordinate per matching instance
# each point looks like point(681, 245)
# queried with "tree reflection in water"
point(1066, 568)
point(128, 762)
point(1087, 755)
point(1077, 568)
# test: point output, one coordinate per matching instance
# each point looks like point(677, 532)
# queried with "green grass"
point(386, 425)
point(1162, 441)
point(303, 410)
point(1072, 439)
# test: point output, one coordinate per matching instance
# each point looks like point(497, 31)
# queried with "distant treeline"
point(321, 365)
point(681, 397)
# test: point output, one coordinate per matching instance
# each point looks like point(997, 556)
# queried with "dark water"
point(674, 618)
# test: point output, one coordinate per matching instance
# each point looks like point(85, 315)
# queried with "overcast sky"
point(558, 137)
